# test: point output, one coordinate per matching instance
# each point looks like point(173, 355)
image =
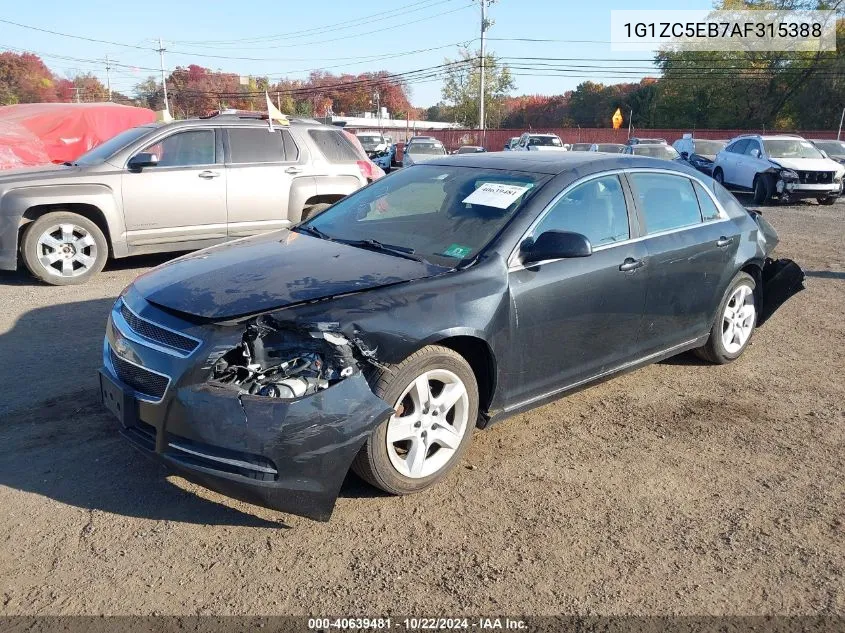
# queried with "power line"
point(346, 24)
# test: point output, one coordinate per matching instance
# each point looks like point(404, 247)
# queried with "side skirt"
point(538, 401)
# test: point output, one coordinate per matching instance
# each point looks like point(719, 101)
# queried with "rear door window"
point(666, 201)
point(334, 146)
point(255, 145)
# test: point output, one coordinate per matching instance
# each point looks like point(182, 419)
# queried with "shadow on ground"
point(22, 277)
point(61, 443)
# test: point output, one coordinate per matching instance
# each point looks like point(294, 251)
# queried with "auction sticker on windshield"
point(492, 194)
point(456, 250)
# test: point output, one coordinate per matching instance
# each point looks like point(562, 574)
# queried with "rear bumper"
point(782, 278)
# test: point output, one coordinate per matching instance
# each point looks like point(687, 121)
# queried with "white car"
point(783, 165)
point(539, 142)
point(420, 149)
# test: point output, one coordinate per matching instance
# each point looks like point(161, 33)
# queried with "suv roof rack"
point(235, 114)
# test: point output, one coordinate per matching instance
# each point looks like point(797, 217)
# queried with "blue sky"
point(291, 37)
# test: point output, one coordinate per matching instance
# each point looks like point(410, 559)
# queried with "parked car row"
point(773, 166)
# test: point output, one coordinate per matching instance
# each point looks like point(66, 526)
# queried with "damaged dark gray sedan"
point(379, 334)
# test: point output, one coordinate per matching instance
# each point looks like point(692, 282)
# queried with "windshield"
point(442, 214)
point(709, 148)
point(665, 152)
point(545, 140)
point(581, 147)
point(421, 147)
point(369, 141)
point(610, 147)
point(835, 148)
point(104, 151)
point(790, 148)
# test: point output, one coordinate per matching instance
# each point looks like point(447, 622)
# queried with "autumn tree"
point(24, 78)
point(461, 88)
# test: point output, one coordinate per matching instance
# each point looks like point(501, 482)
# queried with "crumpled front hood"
point(271, 271)
point(809, 164)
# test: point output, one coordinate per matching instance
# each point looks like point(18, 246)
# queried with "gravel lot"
point(680, 488)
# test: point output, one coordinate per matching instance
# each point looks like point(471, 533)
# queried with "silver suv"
point(173, 187)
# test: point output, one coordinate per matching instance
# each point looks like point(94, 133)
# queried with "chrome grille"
point(142, 380)
point(156, 333)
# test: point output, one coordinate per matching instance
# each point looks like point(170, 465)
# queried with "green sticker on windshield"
point(458, 251)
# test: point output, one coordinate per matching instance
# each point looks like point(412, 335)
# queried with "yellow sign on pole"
point(617, 119)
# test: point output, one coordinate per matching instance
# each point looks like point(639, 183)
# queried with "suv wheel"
point(762, 190)
point(63, 248)
point(827, 201)
point(314, 209)
point(719, 176)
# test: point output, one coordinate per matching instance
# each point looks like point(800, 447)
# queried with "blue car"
point(380, 149)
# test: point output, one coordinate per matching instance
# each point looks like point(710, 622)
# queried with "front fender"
point(16, 202)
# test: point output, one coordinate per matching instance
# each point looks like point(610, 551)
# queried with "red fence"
point(494, 140)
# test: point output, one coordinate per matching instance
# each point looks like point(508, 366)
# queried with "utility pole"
point(161, 50)
point(76, 90)
point(279, 102)
point(108, 76)
point(841, 119)
point(630, 121)
point(377, 97)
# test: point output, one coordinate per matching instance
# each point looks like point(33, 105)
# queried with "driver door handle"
point(631, 264)
point(293, 170)
point(723, 241)
point(208, 175)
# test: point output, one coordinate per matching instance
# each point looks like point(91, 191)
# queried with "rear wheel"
point(435, 397)
point(719, 176)
point(762, 190)
point(734, 322)
point(63, 248)
point(827, 201)
point(314, 209)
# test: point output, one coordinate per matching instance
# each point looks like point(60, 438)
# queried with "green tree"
point(461, 88)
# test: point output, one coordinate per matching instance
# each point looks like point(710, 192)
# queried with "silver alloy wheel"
point(67, 250)
point(738, 319)
point(431, 419)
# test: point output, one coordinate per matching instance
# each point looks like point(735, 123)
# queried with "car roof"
point(554, 163)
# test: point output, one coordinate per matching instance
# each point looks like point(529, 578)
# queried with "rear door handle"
point(723, 241)
point(631, 264)
point(208, 175)
point(293, 170)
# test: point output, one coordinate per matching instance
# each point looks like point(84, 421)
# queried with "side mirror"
point(755, 153)
point(141, 160)
point(685, 155)
point(555, 245)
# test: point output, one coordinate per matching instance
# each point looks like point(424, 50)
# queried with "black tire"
point(32, 252)
point(373, 463)
point(719, 176)
point(713, 350)
point(762, 190)
point(314, 209)
point(827, 201)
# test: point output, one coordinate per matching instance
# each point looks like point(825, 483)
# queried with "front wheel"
point(719, 176)
point(435, 398)
point(827, 201)
point(762, 190)
point(63, 248)
point(734, 322)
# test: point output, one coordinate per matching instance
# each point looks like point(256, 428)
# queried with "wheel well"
point(330, 198)
point(480, 358)
point(85, 210)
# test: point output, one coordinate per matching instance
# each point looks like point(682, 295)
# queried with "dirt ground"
point(681, 488)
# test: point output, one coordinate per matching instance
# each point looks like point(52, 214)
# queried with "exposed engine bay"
point(287, 364)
